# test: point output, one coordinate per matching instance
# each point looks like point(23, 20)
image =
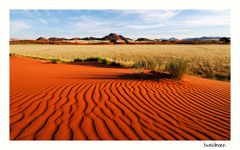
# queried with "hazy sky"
point(31, 24)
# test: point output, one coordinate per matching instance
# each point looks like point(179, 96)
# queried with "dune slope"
point(91, 102)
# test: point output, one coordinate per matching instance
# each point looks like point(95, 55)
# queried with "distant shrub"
point(91, 59)
point(98, 60)
point(114, 63)
point(222, 76)
point(54, 60)
point(78, 60)
point(13, 54)
point(177, 68)
point(103, 60)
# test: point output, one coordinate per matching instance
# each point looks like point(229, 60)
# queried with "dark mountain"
point(163, 39)
point(75, 38)
point(172, 39)
point(115, 37)
point(53, 39)
point(204, 38)
point(41, 39)
point(143, 39)
point(91, 38)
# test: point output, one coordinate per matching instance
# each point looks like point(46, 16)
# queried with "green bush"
point(177, 68)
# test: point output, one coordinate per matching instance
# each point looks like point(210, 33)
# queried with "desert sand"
point(92, 102)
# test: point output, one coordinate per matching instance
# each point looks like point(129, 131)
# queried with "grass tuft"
point(146, 63)
point(177, 67)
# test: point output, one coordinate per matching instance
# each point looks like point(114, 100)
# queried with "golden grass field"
point(211, 61)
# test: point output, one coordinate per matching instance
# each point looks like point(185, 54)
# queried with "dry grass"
point(177, 68)
point(211, 61)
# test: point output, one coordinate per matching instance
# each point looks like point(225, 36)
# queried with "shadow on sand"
point(151, 75)
point(124, 76)
point(146, 75)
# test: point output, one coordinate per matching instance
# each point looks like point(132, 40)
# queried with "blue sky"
point(31, 24)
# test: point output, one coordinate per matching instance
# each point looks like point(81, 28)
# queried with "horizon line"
point(67, 37)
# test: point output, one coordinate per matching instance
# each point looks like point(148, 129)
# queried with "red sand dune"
point(90, 102)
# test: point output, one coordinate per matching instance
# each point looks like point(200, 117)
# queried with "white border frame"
point(233, 144)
